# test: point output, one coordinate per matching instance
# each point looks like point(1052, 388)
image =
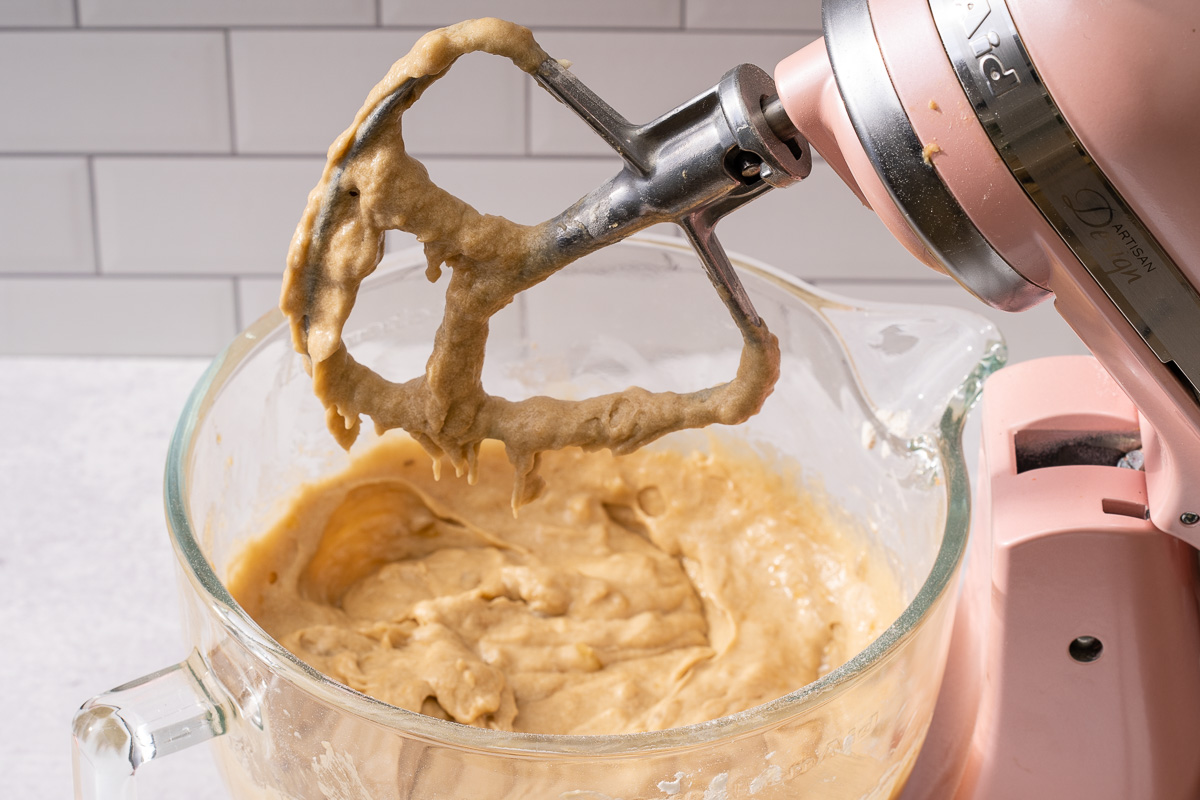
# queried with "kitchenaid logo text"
point(1116, 241)
point(999, 79)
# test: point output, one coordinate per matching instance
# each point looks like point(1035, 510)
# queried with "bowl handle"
point(116, 732)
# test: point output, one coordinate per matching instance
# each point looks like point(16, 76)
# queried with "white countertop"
point(88, 596)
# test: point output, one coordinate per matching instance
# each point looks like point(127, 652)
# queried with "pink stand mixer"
point(1028, 150)
point(1032, 148)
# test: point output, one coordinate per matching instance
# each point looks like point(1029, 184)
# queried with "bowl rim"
point(200, 574)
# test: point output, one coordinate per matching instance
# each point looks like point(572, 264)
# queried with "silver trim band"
point(888, 138)
point(1065, 183)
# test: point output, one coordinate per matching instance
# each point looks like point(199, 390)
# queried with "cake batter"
point(642, 592)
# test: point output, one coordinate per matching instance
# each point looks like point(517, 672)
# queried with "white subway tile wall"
point(295, 91)
point(113, 92)
point(134, 13)
point(255, 297)
point(537, 13)
point(36, 13)
point(767, 15)
point(45, 216)
point(155, 155)
point(102, 316)
point(200, 215)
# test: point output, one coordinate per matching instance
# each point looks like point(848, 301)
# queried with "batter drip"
point(369, 185)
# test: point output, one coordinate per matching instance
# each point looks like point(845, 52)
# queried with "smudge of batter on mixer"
point(370, 184)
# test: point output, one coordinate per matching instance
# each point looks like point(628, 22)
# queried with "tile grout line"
point(933, 280)
point(683, 15)
point(367, 27)
point(66, 355)
point(233, 147)
point(94, 209)
point(238, 322)
point(528, 117)
point(944, 280)
point(75, 11)
point(378, 13)
point(117, 277)
point(311, 156)
point(523, 319)
point(143, 154)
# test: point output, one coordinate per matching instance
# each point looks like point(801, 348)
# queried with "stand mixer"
point(1028, 150)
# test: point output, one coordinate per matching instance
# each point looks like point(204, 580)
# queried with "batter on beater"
point(370, 184)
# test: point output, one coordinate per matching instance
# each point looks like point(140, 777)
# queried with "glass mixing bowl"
point(870, 405)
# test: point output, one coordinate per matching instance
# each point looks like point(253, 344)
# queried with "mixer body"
point(1032, 149)
point(1035, 150)
point(1074, 668)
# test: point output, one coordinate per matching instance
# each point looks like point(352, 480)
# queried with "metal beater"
point(690, 166)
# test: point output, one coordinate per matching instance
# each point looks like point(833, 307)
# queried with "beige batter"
point(639, 593)
point(373, 185)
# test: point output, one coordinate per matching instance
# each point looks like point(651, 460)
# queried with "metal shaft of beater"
point(691, 166)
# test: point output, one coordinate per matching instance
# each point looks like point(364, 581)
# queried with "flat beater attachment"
point(691, 166)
